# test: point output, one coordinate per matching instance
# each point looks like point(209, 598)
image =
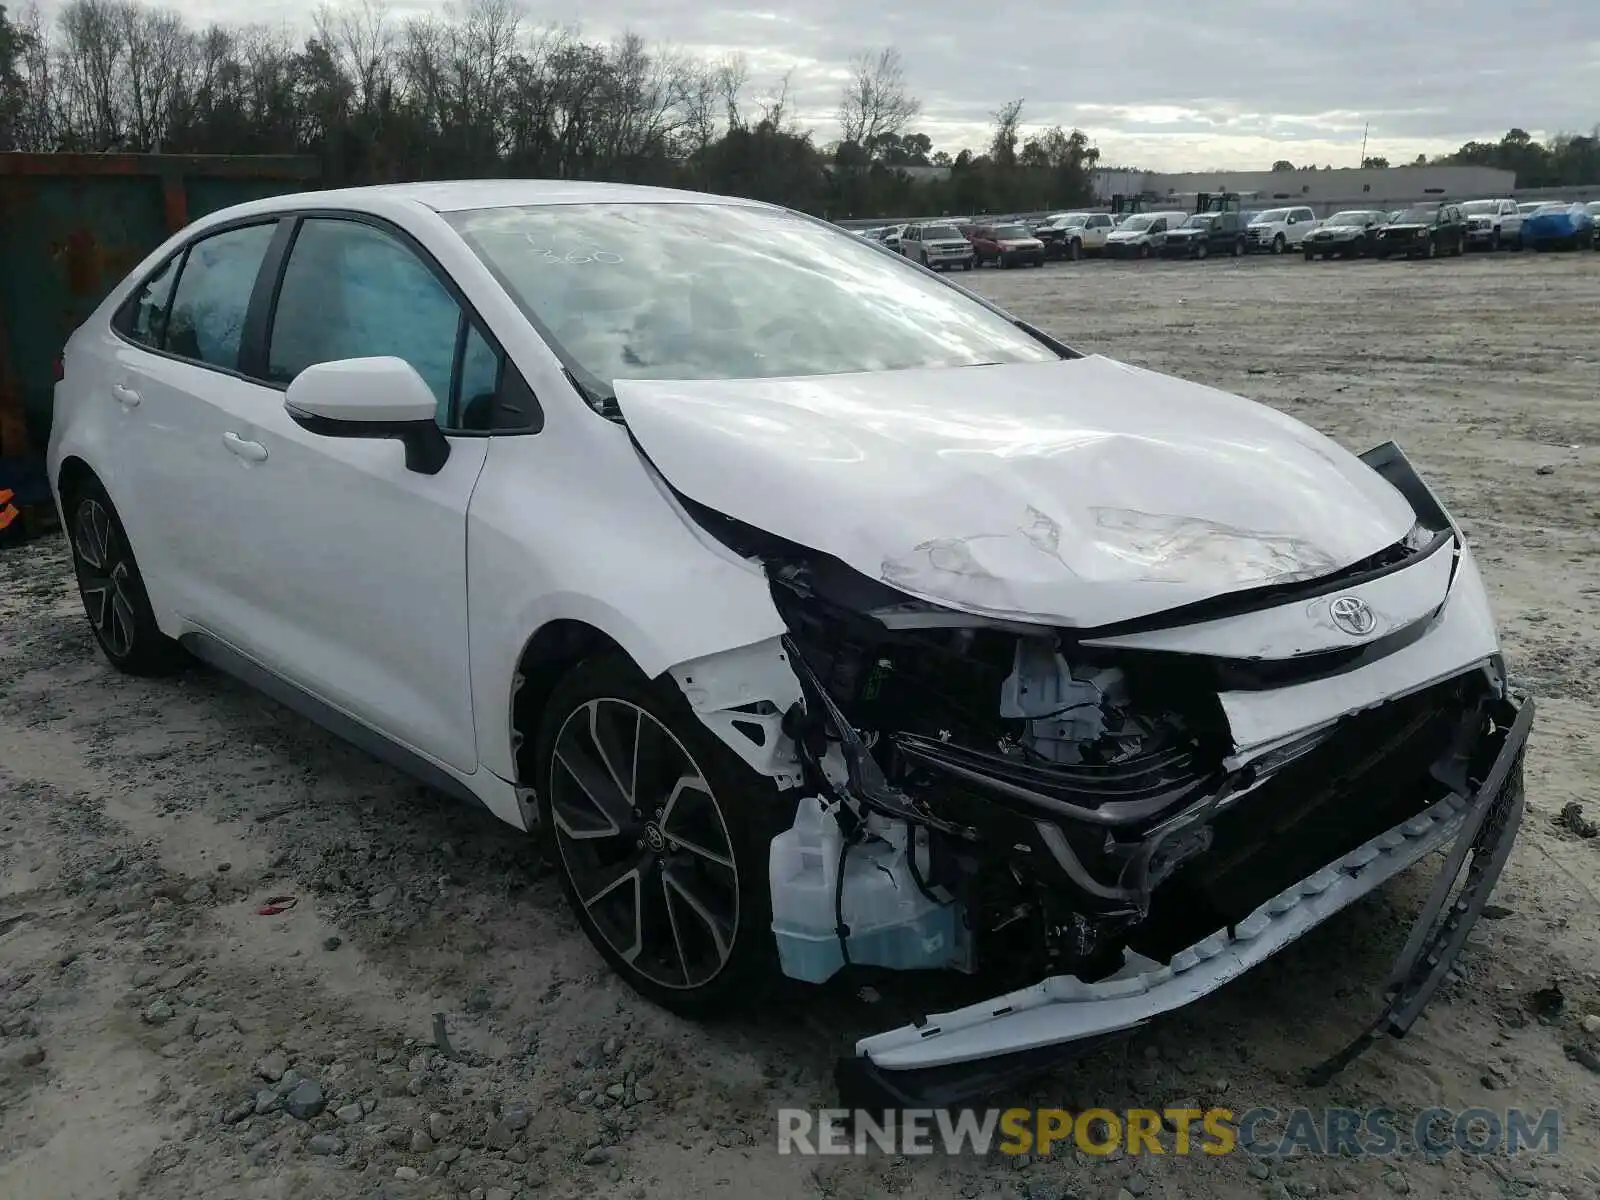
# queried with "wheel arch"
point(550, 652)
point(740, 694)
point(74, 473)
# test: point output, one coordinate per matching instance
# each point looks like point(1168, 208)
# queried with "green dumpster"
point(71, 226)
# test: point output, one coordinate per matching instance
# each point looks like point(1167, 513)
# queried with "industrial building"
point(1324, 190)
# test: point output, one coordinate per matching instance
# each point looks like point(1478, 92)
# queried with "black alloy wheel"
point(660, 835)
point(112, 590)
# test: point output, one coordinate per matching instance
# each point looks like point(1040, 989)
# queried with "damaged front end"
point(1108, 824)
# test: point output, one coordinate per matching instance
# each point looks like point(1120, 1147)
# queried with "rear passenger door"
point(358, 588)
point(176, 378)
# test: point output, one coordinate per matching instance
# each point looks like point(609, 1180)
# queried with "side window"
point(144, 317)
point(353, 291)
point(213, 293)
point(480, 382)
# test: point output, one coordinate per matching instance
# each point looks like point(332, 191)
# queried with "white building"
point(1341, 187)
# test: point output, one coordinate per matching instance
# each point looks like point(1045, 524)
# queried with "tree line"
point(486, 93)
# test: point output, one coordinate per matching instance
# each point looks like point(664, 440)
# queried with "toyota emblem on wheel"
point(1353, 615)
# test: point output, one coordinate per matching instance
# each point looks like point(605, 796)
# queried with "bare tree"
point(91, 60)
point(158, 47)
point(732, 75)
point(775, 104)
point(362, 43)
point(1003, 143)
point(877, 101)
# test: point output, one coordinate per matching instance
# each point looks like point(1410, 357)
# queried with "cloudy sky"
point(1159, 84)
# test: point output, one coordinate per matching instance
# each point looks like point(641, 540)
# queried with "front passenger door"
point(359, 593)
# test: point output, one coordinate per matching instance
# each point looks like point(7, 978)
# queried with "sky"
point(1157, 84)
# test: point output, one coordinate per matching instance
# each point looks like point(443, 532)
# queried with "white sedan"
point(811, 611)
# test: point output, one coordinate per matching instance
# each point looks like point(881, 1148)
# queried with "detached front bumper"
point(947, 1056)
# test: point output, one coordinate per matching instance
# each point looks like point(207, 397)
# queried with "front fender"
point(579, 528)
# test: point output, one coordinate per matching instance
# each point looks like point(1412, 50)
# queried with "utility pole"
point(1364, 130)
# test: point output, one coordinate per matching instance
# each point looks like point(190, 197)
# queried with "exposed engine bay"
point(1000, 797)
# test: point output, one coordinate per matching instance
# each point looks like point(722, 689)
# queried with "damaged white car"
point(814, 611)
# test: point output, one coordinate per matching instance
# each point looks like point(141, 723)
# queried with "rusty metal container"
point(71, 226)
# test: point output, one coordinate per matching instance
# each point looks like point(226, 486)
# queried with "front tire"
point(112, 589)
point(1279, 244)
point(660, 835)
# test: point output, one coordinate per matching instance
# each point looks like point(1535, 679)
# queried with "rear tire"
point(663, 852)
point(112, 589)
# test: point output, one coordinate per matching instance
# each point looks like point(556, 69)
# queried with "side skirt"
point(225, 658)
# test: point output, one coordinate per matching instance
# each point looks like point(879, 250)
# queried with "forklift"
point(1205, 202)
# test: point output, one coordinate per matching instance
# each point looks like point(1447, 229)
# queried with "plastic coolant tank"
point(892, 923)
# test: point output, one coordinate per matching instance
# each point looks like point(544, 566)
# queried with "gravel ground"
point(161, 1036)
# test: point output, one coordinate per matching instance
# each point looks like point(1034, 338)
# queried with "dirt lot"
point(145, 1002)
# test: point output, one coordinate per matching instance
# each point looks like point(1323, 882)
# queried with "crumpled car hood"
point(1076, 493)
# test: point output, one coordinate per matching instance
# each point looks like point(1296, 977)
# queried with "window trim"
point(120, 318)
point(467, 313)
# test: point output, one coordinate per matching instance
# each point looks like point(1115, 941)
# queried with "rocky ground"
point(239, 959)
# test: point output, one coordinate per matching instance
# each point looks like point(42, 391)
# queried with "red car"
point(1004, 245)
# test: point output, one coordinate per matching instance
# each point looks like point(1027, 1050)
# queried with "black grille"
point(1369, 775)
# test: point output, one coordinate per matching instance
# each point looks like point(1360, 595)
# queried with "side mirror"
point(370, 398)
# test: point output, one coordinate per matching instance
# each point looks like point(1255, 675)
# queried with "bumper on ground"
point(964, 1052)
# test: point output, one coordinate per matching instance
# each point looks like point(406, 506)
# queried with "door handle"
point(125, 395)
point(247, 450)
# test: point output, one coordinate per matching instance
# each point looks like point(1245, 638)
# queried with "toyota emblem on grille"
point(1353, 615)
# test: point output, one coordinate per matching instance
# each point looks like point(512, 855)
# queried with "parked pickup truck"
point(1493, 224)
point(1072, 235)
point(1279, 229)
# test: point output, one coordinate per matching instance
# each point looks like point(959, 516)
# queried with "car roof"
point(457, 195)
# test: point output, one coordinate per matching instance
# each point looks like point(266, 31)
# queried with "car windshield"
point(1271, 215)
point(1135, 224)
point(1349, 218)
point(1067, 220)
point(1474, 207)
point(1200, 221)
point(1416, 216)
point(1010, 231)
point(940, 233)
point(724, 291)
